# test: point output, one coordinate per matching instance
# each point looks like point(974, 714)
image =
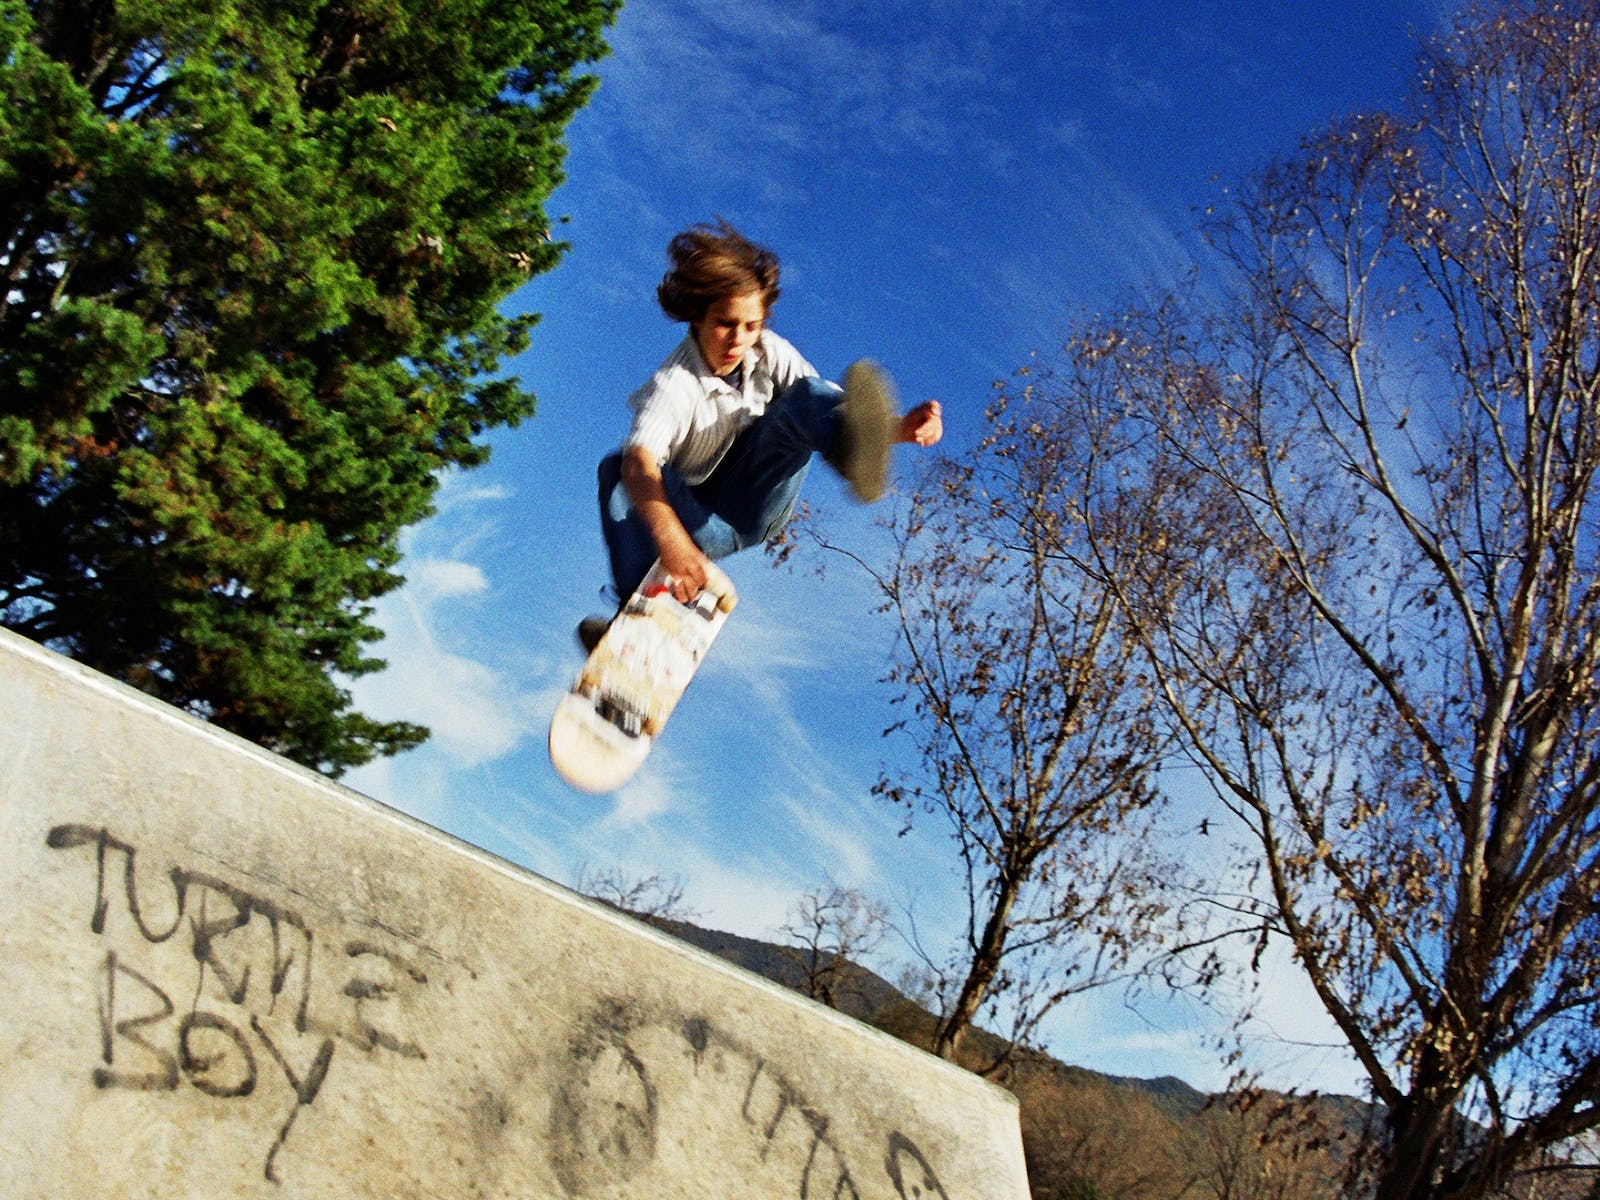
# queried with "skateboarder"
point(724, 430)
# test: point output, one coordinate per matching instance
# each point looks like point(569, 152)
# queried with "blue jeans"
point(745, 500)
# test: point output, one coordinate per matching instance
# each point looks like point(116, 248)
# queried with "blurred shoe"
point(868, 424)
point(591, 630)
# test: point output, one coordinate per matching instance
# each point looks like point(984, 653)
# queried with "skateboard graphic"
point(604, 726)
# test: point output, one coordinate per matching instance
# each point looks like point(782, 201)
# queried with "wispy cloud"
point(751, 90)
point(476, 711)
point(440, 674)
point(650, 794)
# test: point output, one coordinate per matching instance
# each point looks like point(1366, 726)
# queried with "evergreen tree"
point(252, 254)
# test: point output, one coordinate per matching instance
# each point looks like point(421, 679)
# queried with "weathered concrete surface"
point(223, 976)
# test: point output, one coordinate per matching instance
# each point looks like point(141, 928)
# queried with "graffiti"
point(219, 993)
point(237, 1008)
point(604, 1120)
point(605, 1123)
point(787, 1124)
point(909, 1171)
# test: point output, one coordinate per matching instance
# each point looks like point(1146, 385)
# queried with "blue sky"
point(947, 186)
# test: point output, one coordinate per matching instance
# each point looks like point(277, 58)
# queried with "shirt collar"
point(710, 380)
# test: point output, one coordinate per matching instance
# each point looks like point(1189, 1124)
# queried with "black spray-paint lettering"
point(147, 1045)
point(161, 1065)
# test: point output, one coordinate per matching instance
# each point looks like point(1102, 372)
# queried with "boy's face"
point(728, 330)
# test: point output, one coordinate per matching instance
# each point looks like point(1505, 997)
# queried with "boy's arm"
point(680, 557)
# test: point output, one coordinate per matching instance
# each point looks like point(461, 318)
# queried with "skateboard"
point(604, 726)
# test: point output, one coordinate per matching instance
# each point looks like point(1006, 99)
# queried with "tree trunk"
point(1417, 1131)
point(985, 966)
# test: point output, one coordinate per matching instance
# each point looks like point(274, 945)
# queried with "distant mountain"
point(1171, 1094)
point(862, 994)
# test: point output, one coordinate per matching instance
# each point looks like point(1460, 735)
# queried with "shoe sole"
point(867, 432)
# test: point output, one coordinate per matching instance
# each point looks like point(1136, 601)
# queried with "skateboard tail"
point(590, 752)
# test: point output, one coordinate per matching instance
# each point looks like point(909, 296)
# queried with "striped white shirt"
point(686, 417)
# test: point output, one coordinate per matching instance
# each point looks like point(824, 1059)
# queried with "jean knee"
point(809, 399)
point(804, 416)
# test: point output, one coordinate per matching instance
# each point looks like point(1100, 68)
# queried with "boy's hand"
point(923, 425)
point(686, 563)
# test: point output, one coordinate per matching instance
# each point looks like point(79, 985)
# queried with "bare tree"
point(1088, 1138)
point(1255, 1145)
point(830, 930)
point(1376, 620)
point(1034, 738)
point(651, 896)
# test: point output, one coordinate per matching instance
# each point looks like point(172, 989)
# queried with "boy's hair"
point(711, 263)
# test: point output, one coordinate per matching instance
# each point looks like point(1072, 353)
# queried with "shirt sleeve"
point(663, 410)
point(656, 428)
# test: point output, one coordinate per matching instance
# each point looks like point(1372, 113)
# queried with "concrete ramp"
point(224, 976)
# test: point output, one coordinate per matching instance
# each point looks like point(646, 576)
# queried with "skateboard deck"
point(604, 726)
